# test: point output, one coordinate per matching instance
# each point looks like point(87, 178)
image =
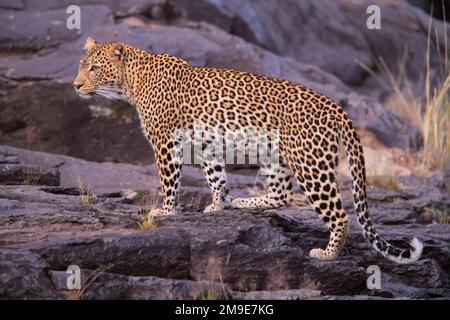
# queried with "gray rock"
point(23, 276)
point(109, 286)
point(25, 174)
point(193, 255)
point(162, 253)
point(331, 35)
point(293, 294)
point(33, 31)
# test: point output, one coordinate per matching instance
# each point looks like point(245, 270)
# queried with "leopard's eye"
point(93, 68)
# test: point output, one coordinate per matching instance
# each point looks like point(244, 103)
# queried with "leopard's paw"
point(218, 206)
point(160, 212)
point(239, 203)
point(321, 254)
point(213, 208)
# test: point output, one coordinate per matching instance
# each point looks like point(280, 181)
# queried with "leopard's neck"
point(138, 66)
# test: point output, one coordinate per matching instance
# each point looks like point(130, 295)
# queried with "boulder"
point(333, 35)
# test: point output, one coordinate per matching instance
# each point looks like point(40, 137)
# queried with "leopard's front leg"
point(169, 156)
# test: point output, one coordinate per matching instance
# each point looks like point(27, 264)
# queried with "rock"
point(334, 36)
point(54, 127)
point(119, 7)
point(241, 254)
point(22, 174)
point(8, 159)
point(98, 177)
point(132, 254)
point(12, 4)
point(13, 172)
point(119, 287)
point(23, 276)
point(293, 294)
point(26, 31)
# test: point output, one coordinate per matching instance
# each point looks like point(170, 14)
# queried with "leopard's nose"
point(77, 85)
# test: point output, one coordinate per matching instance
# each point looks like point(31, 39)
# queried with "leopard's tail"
point(350, 139)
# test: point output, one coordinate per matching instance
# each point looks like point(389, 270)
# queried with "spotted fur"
point(171, 95)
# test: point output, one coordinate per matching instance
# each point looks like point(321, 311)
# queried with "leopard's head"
point(101, 71)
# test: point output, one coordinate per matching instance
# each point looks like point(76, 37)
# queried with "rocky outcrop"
point(41, 111)
point(331, 35)
point(12, 172)
point(194, 255)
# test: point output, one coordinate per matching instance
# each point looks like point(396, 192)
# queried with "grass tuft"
point(214, 293)
point(147, 221)
point(429, 110)
point(439, 214)
point(77, 294)
point(86, 197)
point(436, 128)
point(384, 182)
point(31, 177)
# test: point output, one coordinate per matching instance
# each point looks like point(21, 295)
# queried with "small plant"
point(429, 111)
point(31, 176)
point(147, 221)
point(210, 294)
point(213, 292)
point(436, 120)
point(436, 127)
point(442, 214)
point(85, 194)
point(388, 182)
point(439, 214)
point(444, 219)
point(76, 294)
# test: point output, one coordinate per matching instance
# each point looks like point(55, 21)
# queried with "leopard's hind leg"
point(315, 171)
point(213, 165)
point(279, 185)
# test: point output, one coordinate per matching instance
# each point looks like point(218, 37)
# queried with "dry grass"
point(214, 293)
point(85, 194)
point(440, 214)
point(76, 294)
point(429, 111)
point(384, 182)
point(147, 221)
point(436, 128)
point(445, 219)
point(31, 177)
point(210, 294)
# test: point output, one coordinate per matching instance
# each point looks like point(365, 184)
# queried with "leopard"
point(170, 96)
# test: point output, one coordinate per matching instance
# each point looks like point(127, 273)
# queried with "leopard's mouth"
point(85, 93)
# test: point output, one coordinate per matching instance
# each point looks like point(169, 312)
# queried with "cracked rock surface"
point(240, 254)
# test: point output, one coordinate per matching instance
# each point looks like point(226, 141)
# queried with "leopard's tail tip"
point(417, 248)
point(415, 253)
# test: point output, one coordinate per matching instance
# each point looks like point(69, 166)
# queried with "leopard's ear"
point(116, 51)
point(90, 43)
